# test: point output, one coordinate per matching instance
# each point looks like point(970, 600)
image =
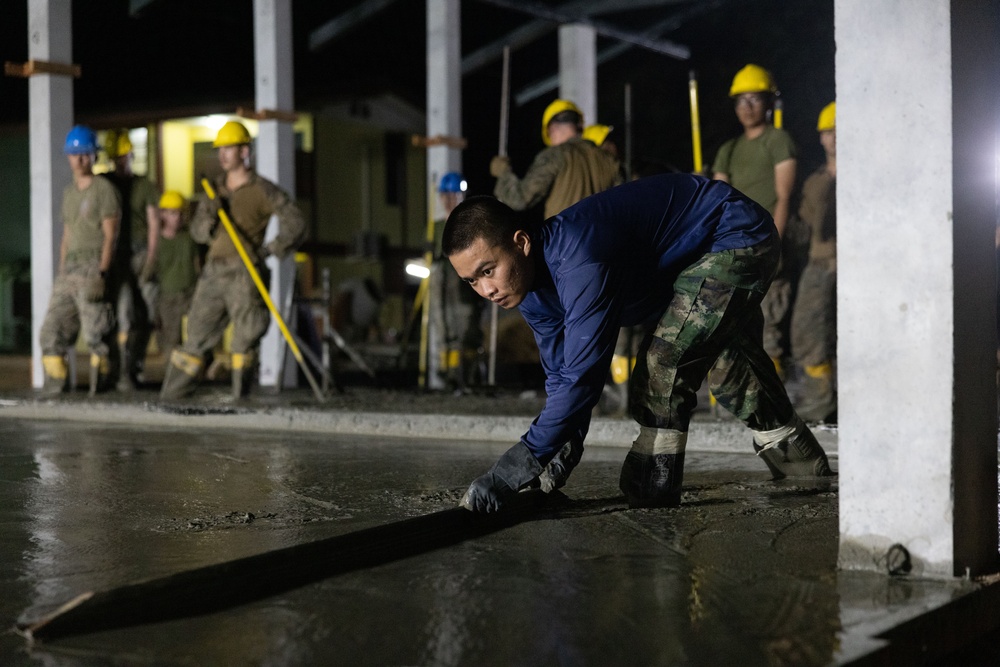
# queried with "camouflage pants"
point(814, 322)
point(712, 327)
point(136, 300)
point(455, 310)
point(171, 310)
point(70, 311)
point(225, 292)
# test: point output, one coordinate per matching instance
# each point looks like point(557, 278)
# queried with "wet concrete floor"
point(744, 573)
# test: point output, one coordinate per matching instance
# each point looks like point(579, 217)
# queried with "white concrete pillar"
point(578, 68)
point(916, 207)
point(276, 162)
point(50, 110)
point(444, 118)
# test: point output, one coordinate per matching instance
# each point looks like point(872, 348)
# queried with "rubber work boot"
point(819, 398)
point(561, 466)
point(56, 375)
point(181, 376)
point(100, 367)
point(652, 480)
point(126, 382)
point(242, 373)
point(792, 451)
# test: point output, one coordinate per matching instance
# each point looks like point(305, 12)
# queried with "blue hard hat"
point(453, 182)
point(81, 139)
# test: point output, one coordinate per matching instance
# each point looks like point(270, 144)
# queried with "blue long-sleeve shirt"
point(610, 261)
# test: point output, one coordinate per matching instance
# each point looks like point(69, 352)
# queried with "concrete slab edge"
point(935, 633)
point(706, 436)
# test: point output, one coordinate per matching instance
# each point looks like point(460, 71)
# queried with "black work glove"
point(515, 469)
point(559, 468)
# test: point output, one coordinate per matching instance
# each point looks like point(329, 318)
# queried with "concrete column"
point(276, 162)
point(578, 68)
point(444, 117)
point(916, 207)
point(50, 100)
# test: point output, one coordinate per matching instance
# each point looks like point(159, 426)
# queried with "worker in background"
point(569, 169)
point(761, 163)
point(694, 253)
point(81, 294)
point(225, 291)
point(814, 321)
point(456, 311)
point(176, 270)
point(135, 259)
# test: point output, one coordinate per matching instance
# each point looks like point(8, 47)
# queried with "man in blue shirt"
point(689, 256)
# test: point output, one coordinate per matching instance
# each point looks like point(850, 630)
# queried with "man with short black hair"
point(692, 254)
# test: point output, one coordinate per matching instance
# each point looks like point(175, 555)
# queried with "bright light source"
point(464, 185)
point(418, 270)
point(215, 121)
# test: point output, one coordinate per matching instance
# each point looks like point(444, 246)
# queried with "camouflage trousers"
point(171, 309)
point(713, 327)
point(70, 312)
point(136, 300)
point(225, 292)
point(814, 322)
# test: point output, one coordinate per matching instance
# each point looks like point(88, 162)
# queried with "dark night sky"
point(199, 53)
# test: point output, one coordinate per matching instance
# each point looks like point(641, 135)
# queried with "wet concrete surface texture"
point(743, 573)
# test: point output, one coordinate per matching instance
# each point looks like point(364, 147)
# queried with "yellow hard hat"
point(752, 79)
point(557, 107)
point(118, 144)
point(231, 134)
point(172, 199)
point(597, 133)
point(827, 118)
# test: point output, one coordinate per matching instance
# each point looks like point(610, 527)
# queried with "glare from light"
point(418, 270)
point(464, 185)
point(215, 121)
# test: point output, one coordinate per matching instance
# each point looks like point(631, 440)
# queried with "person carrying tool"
point(81, 294)
point(135, 260)
point(696, 254)
point(569, 169)
point(456, 311)
point(176, 270)
point(814, 320)
point(761, 164)
point(225, 290)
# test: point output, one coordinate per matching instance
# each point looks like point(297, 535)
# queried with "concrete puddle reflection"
point(742, 573)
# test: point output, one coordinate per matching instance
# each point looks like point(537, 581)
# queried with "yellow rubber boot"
point(56, 374)
point(181, 376)
point(242, 373)
point(100, 368)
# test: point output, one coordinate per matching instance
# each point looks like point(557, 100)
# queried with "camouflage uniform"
point(135, 298)
point(70, 307)
point(713, 326)
point(814, 321)
point(177, 275)
point(225, 291)
point(562, 174)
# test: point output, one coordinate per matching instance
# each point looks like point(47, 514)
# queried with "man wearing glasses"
point(760, 163)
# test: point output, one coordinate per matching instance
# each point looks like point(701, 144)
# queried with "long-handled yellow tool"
point(231, 230)
point(695, 121)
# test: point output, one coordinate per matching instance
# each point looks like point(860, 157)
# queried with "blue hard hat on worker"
point(81, 139)
point(452, 182)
